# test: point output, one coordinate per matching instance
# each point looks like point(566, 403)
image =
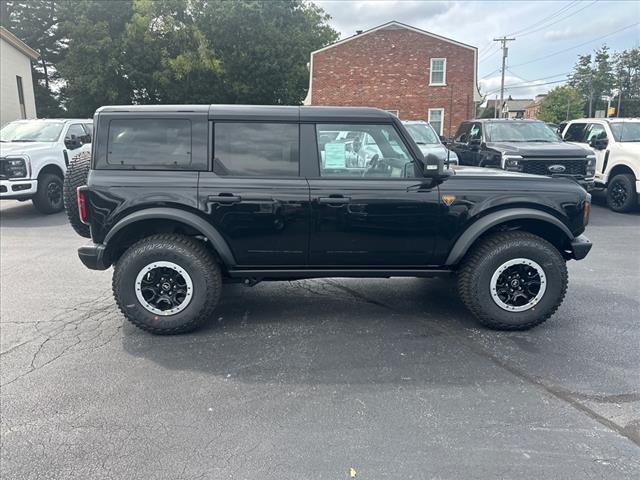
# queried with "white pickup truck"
point(616, 143)
point(34, 155)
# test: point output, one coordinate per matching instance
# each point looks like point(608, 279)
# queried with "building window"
point(23, 108)
point(436, 119)
point(438, 71)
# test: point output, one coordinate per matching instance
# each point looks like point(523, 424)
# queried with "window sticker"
point(335, 155)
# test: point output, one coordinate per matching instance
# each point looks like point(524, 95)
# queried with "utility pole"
point(505, 51)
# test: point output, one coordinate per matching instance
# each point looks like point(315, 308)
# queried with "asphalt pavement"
point(310, 379)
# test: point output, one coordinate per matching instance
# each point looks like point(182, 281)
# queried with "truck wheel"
point(513, 280)
point(76, 176)
point(48, 198)
point(167, 284)
point(621, 193)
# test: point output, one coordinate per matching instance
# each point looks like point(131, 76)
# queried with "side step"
point(270, 274)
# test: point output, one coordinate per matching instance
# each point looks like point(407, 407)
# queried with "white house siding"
point(12, 63)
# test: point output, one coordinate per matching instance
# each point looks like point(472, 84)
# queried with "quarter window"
point(362, 151)
point(149, 143)
point(77, 130)
point(438, 71)
point(436, 119)
point(575, 132)
point(256, 149)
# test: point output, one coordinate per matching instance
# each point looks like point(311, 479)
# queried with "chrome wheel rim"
point(164, 288)
point(518, 285)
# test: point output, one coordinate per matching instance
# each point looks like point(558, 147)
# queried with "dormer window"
point(438, 71)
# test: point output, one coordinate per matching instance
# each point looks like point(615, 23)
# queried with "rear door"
point(371, 207)
point(253, 193)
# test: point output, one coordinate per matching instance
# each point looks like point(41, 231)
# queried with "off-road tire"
point(627, 182)
point(75, 177)
point(487, 256)
point(41, 200)
point(191, 255)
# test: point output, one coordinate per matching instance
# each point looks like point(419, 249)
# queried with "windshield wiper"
point(24, 140)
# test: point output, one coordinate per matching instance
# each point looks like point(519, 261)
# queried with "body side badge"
point(448, 199)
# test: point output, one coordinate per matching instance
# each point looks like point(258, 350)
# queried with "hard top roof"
point(510, 120)
point(263, 112)
point(54, 120)
point(601, 119)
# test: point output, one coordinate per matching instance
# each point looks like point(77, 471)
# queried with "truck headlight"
point(512, 162)
point(591, 166)
point(15, 168)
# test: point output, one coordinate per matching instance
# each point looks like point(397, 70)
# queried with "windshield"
point(626, 131)
point(520, 132)
point(422, 134)
point(35, 131)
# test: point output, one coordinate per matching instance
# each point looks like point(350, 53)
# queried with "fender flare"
point(473, 232)
point(182, 216)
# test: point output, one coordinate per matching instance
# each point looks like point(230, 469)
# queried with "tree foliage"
point(560, 104)
point(96, 52)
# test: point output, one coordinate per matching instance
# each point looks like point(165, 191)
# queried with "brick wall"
point(389, 69)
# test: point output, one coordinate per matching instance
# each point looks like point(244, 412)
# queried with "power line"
point(518, 85)
point(543, 78)
point(561, 10)
point(577, 46)
point(559, 20)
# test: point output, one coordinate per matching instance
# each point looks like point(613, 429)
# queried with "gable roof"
point(393, 25)
point(15, 42)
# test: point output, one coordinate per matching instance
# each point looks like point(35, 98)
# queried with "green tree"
point(627, 80)
point(92, 67)
point(593, 78)
point(264, 47)
point(560, 104)
point(167, 58)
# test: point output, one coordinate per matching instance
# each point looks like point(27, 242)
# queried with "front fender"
point(483, 224)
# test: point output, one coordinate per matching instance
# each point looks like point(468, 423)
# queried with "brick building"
point(415, 74)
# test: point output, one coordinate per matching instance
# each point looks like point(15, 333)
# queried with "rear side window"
point(575, 132)
point(149, 143)
point(256, 149)
point(462, 134)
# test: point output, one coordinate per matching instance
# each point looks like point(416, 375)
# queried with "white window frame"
point(394, 112)
point(444, 73)
point(441, 110)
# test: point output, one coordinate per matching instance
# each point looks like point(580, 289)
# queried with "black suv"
point(181, 199)
point(528, 146)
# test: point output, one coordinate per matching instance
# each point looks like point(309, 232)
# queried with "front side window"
point(149, 143)
point(462, 136)
point(256, 149)
point(436, 119)
point(75, 129)
point(517, 131)
point(575, 132)
point(438, 71)
point(362, 151)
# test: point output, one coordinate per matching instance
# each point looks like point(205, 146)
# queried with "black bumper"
point(580, 247)
point(93, 256)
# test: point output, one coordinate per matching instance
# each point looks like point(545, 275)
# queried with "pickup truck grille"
point(577, 167)
point(3, 169)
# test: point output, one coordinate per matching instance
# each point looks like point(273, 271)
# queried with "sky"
point(545, 33)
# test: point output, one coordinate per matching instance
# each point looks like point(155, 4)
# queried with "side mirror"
point(73, 142)
point(598, 143)
point(444, 140)
point(475, 142)
point(433, 165)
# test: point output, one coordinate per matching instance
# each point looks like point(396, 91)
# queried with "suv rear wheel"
point(167, 284)
point(621, 193)
point(513, 280)
point(48, 198)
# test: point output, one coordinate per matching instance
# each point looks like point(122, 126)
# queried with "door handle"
point(224, 198)
point(334, 201)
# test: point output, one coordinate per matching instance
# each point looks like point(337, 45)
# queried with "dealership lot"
point(308, 379)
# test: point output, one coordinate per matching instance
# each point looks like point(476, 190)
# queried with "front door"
point(255, 196)
point(369, 208)
point(596, 131)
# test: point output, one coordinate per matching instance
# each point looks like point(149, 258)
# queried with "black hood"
point(540, 149)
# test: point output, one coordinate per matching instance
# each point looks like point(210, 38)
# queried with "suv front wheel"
point(167, 284)
point(513, 280)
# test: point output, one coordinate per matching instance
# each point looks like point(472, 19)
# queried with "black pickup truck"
point(181, 199)
point(528, 146)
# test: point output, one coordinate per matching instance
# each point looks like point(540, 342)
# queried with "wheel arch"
point(621, 168)
point(53, 169)
point(534, 221)
point(143, 223)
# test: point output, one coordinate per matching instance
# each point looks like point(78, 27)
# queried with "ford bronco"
point(181, 199)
